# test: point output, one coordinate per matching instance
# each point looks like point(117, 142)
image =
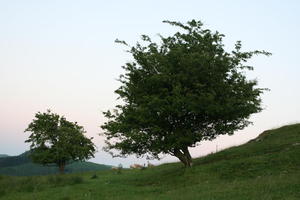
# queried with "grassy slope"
point(266, 168)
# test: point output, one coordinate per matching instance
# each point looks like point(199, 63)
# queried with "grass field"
point(266, 168)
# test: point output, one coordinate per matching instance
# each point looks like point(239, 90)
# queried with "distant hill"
point(21, 165)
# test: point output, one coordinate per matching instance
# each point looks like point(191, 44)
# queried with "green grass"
point(266, 168)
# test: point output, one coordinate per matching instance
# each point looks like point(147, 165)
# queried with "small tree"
point(180, 92)
point(54, 140)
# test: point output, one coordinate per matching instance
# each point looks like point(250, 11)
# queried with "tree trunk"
point(184, 156)
point(61, 168)
point(188, 155)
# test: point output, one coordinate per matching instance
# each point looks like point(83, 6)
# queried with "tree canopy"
point(54, 140)
point(179, 92)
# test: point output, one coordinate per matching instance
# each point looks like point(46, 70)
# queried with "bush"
point(59, 180)
point(76, 180)
point(65, 198)
point(2, 192)
point(27, 184)
point(28, 188)
point(55, 180)
point(94, 176)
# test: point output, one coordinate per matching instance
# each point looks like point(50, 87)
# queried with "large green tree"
point(180, 91)
point(54, 140)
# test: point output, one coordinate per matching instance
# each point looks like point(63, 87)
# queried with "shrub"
point(94, 176)
point(2, 192)
point(76, 180)
point(55, 180)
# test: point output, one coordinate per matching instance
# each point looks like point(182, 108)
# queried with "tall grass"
point(31, 184)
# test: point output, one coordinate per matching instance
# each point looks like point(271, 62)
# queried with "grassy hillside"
point(266, 168)
point(3, 155)
point(22, 166)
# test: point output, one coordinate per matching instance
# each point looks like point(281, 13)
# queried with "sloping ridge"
point(266, 167)
point(10, 161)
point(273, 151)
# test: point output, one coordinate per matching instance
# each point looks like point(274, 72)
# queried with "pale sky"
point(60, 54)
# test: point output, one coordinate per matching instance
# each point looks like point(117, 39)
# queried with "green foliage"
point(94, 176)
point(76, 180)
point(66, 198)
point(54, 140)
point(58, 180)
point(55, 180)
point(182, 91)
point(2, 192)
point(266, 168)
